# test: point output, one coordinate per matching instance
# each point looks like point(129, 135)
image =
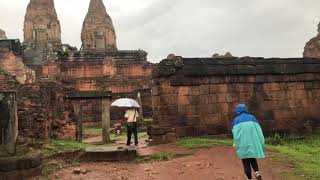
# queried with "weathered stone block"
point(109, 154)
point(184, 91)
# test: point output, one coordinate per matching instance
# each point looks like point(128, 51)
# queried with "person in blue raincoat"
point(248, 140)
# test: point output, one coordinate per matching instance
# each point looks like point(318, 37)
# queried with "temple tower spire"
point(98, 32)
point(312, 48)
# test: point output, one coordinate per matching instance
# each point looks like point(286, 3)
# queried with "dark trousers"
point(247, 164)
point(132, 128)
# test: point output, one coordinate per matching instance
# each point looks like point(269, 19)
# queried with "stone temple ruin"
point(50, 90)
point(2, 34)
point(312, 48)
point(42, 31)
point(98, 32)
point(97, 67)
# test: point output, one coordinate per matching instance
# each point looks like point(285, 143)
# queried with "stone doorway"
point(105, 98)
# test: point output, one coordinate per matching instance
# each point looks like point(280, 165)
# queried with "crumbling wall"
point(14, 66)
point(197, 96)
point(44, 112)
point(125, 73)
point(7, 82)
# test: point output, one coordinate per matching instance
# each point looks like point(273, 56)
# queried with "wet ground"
point(210, 164)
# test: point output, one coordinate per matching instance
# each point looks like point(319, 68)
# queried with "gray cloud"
point(192, 28)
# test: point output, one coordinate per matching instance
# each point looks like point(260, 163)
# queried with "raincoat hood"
point(240, 108)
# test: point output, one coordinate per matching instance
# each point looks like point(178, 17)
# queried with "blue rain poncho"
point(247, 134)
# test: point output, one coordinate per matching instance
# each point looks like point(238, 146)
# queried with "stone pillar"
point(140, 109)
point(105, 106)
point(8, 124)
point(76, 107)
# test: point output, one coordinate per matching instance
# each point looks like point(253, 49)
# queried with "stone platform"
point(114, 153)
point(20, 167)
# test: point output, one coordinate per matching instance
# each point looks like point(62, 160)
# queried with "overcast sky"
point(190, 28)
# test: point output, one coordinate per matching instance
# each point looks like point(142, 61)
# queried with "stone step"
point(113, 153)
point(21, 167)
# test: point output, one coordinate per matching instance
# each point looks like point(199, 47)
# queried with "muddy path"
point(210, 164)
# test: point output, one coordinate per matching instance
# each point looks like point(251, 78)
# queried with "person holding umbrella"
point(130, 116)
point(248, 140)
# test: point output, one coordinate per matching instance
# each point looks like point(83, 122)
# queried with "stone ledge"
point(21, 174)
point(109, 154)
point(199, 67)
point(20, 163)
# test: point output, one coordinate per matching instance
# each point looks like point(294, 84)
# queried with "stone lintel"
point(81, 95)
point(116, 54)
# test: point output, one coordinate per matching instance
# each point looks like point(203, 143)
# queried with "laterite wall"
point(197, 96)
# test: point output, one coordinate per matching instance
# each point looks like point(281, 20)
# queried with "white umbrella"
point(125, 102)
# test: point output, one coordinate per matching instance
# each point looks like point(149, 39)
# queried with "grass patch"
point(203, 142)
point(97, 131)
point(123, 136)
point(58, 146)
point(155, 158)
point(304, 153)
point(92, 132)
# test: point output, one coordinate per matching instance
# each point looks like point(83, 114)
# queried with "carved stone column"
point(105, 106)
point(8, 123)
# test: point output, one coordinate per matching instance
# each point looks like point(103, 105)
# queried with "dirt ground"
point(210, 164)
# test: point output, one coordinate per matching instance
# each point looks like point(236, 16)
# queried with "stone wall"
point(197, 96)
point(125, 73)
point(7, 82)
point(14, 66)
point(42, 110)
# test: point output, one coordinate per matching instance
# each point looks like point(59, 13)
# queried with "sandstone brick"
point(213, 88)
point(222, 97)
point(193, 120)
point(225, 108)
point(192, 110)
point(184, 91)
point(297, 86)
point(195, 91)
point(222, 88)
point(204, 99)
point(271, 87)
point(183, 101)
point(204, 89)
point(212, 98)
